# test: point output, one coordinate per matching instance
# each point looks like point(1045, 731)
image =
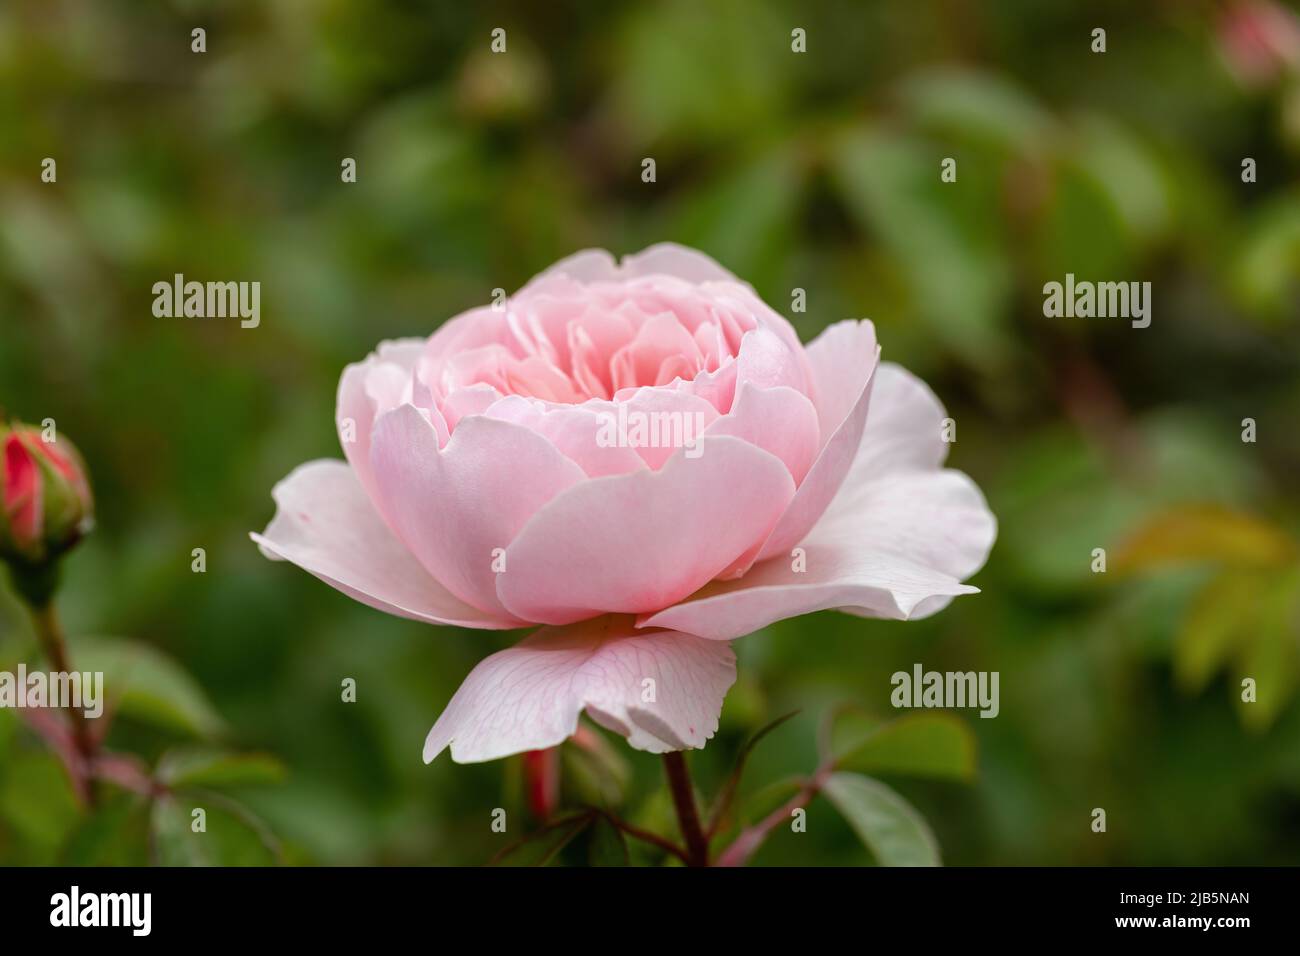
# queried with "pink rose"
point(644, 458)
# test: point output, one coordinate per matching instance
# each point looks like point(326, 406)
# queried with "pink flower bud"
point(44, 494)
point(1260, 41)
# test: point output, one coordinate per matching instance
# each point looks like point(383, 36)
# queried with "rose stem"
point(688, 818)
point(50, 632)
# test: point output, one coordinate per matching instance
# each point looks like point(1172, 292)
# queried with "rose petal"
point(638, 542)
point(656, 422)
point(324, 523)
point(660, 338)
point(369, 388)
point(669, 258)
point(454, 507)
point(588, 265)
point(904, 426)
point(662, 690)
point(843, 359)
point(896, 542)
point(915, 541)
point(22, 492)
point(779, 420)
point(467, 400)
point(767, 362)
point(576, 430)
point(480, 327)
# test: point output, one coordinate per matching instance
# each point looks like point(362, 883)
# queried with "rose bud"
point(46, 499)
point(1260, 41)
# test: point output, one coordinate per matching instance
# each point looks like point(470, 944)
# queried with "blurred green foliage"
point(819, 171)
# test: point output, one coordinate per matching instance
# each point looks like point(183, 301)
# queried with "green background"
point(818, 171)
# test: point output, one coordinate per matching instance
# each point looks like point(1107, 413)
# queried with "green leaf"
point(116, 834)
point(607, 846)
point(1267, 261)
point(543, 846)
point(1221, 616)
point(921, 745)
point(1204, 533)
point(980, 106)
point(697, 73)
point(744, 216)
point(37, 801)
point(1271, 655)
point(943, 240)
point(728, 794)
point(1127, 172)
point(232, 835)
point(8, 731)
point(888, 825)
point(843, 727)
point(182, 769)
point(143, 683)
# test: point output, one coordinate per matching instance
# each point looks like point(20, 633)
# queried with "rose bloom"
point(481, 489)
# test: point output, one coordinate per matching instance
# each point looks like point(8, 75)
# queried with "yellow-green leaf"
point(1204, 533)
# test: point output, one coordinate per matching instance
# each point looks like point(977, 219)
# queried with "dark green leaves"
point(143, 683)
point(182, 769)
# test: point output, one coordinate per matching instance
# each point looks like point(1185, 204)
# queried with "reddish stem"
point(542, 781)
point(688, 817)
point(750, 839)
point(51, 635)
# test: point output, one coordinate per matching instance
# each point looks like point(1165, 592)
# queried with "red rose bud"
point(44, 495)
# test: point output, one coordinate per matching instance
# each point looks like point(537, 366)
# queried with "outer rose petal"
point(529, 696)
point(366, 390)
point(883, 561)
point(895, 543)
point(906, 434)
point(454, 506)
point(325, 524)
point(904, 428)
point(843, 359)
point(637, 542)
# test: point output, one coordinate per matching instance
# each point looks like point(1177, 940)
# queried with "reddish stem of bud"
point(542, 781)
point(56, 650)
